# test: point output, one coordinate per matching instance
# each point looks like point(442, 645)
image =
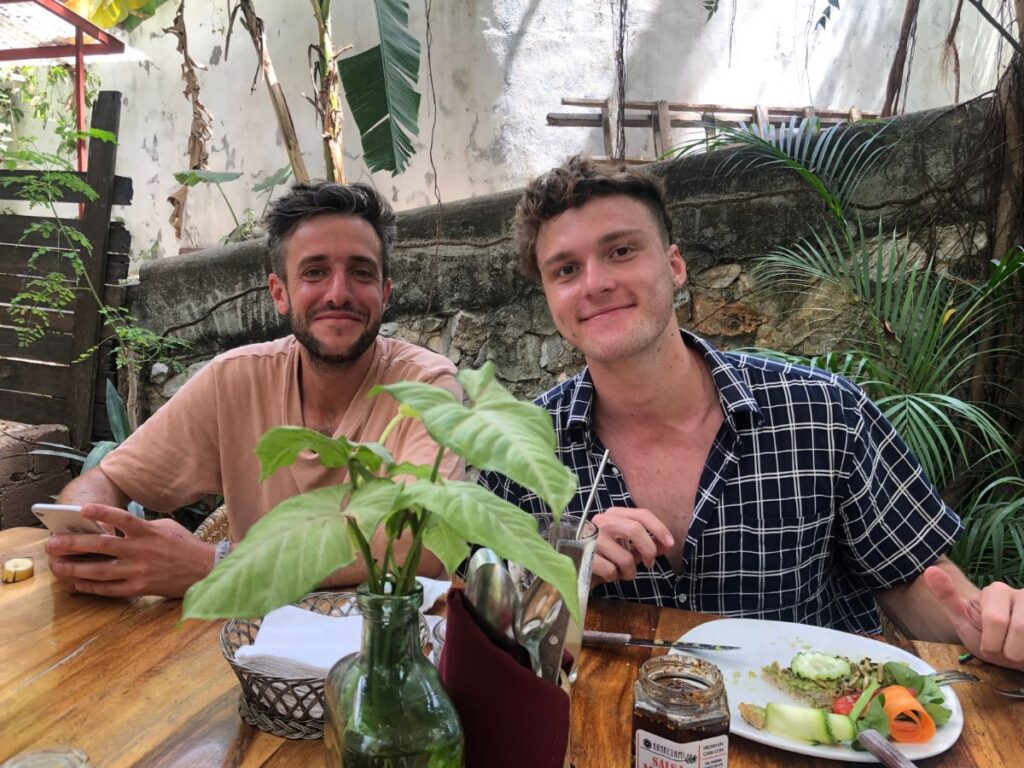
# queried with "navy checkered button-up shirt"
point(808, 503)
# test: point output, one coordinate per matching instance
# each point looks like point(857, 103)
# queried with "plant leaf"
point(200, 176)
point(480, 517)
point(498, 432)
point(282, 445)
point(282, 557)
point(117, 414)
point(97, 453)
point(379, 89)
point(278, 177)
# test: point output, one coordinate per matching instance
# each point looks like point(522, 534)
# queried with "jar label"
point(653, 751)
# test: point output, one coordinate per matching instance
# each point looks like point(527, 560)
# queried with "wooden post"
point(663, 130)
point(762, 121)
point(708, 118)
point(106, 115)
point(606, 129)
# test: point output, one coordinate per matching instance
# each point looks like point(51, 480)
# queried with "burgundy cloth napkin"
point(510, 717)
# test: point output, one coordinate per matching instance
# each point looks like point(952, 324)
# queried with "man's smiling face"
point(335, 294)
point(609, 277)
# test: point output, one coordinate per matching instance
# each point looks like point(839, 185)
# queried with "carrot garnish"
point(909, 723)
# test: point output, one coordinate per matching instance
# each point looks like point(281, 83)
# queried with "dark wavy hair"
point(571, 185)
point(316, 198)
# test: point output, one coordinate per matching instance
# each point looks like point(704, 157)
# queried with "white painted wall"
point(499, 66)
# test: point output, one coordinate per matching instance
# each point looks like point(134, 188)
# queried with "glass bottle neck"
point(391, 626)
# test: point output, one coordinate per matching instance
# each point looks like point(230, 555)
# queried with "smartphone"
point(65, 518)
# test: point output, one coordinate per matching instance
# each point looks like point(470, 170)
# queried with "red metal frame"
point(105, 44)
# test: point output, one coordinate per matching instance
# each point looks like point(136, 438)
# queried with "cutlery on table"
point(539, 608)
point(492, 597)
point(951, 676)
point(880, 747)
point(593, 637)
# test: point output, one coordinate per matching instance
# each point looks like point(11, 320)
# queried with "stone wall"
point(457, 290)
point(24, 479)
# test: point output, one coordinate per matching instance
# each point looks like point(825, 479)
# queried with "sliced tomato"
point(844, 704)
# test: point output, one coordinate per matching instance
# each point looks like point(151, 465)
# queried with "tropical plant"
point(912, 335)
point(992, 545)
point(909, 333)
point(302, 540)
point(44, 94)
point(379, 89)
point(250, 226)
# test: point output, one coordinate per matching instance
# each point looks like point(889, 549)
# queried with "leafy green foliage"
point(202, 176)
point(44, 94)
point(992, 545)
point(44, 292)
point(302, 540)
point(379, 89)
point(832, 162)
point(915, 334)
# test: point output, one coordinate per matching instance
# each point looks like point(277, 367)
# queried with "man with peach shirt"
point(330, 247)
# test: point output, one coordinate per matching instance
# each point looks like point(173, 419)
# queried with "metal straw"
point(593, 493)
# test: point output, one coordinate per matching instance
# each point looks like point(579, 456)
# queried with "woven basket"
point(292, 708)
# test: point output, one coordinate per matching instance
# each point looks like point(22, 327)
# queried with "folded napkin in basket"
point(510, 717)
point(298, 644)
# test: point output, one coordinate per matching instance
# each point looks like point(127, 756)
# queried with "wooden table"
point(118, 680)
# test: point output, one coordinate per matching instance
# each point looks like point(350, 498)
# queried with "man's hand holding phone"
point(158, 557)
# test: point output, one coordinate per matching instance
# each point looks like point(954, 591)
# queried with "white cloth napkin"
point(295, 643)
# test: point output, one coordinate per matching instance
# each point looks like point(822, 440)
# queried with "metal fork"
point(951, 676)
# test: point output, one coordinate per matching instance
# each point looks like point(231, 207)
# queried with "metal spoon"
point(492, 596)
point(538, 610)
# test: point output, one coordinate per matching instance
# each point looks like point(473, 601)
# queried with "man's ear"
point(279, 294)
point(678, 266)
point(385, 294)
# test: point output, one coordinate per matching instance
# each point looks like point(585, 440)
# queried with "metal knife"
point(592, 637)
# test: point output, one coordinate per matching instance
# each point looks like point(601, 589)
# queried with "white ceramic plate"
point(763, 642)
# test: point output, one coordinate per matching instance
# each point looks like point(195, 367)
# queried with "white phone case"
point(65, 518)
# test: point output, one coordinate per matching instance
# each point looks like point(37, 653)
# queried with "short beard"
point(325, 362)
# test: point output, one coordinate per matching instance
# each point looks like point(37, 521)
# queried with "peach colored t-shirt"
point(202, 440)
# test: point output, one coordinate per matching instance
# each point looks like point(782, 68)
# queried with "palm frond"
point(379, 89)
point(992, 545)
point(832, 162)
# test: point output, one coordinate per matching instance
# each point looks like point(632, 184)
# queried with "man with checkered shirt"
point(736, 485)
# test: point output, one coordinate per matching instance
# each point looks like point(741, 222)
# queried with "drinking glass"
point(562, 536)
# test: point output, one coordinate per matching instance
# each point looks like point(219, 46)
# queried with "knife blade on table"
point(593, 637)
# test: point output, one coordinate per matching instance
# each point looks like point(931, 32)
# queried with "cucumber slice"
point(802, 723)
point(841, 727)
point(819, 666)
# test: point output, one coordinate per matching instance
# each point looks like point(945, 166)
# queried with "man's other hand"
point(991, 625)
point(158, 557)
point(627, 536)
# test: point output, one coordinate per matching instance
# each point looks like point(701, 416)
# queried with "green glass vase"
point(385, 706)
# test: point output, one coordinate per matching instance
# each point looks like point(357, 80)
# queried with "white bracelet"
point(221, 551)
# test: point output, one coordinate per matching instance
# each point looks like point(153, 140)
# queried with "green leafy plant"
point(914, 335)
point(992, 546)
point(42, 292)
point(304, 539)
point(249, 226)
point(44, 94)
point(379, 89)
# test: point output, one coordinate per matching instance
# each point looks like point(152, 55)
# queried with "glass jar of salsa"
point(680, 714)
